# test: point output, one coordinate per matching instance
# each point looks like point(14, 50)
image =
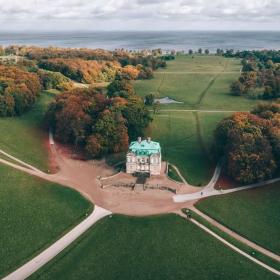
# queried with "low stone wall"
point(131, 186)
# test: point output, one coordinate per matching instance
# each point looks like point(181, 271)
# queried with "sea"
point(139, 40)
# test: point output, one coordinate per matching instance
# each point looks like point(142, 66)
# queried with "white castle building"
point(144, 156)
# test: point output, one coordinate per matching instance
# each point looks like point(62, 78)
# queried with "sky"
point(91, 15)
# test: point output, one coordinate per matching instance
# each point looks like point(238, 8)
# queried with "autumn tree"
point(242, 141)
point(98, 123)
point(18, 90)
point(237, 88)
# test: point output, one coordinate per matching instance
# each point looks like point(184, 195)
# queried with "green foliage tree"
point(149, 99)
point(237, 88)
point(120, 85)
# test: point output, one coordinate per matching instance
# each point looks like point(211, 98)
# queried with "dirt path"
point(84, 176)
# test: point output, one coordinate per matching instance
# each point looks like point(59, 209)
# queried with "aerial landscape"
point(140, 140)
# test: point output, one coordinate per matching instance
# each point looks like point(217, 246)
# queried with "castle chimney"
point(139, 139)
point(149, 139)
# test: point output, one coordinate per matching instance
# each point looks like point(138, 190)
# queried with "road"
point(210, 191)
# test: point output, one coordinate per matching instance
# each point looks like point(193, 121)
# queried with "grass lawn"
point(172, 173)
point(23, 137)
point(185, 138)
point(160, 247)
point(33, 214)
point(253, 214)
point(201, 82)
point(207, 123)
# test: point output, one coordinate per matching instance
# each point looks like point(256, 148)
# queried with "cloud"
point(127, 12)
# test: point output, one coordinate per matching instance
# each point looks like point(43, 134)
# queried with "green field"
point(201, 82)
point(162, 247)
point(34, 213)
point(186, 138)
point(253, 214)
point(23, 137)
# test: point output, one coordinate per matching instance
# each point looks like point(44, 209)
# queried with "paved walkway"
point(210, 191)
point(179, 173)
point(200, 110)
point(271, 269)
point(237, 236)
point(197, 72)
point(36, 263)
point(19, 161)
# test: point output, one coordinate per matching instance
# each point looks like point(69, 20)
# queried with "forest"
point(18, 90)
point(98, 122)
point(248, 143)
point(260, 77)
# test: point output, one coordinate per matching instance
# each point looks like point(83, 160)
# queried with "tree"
point(243, 142)
point(156, 107)
point(2, 51)
point(207, 51)
point(87, 118)
point(219, 51)
point(118, 86)
point(200, 50)
point(237, 88)
point(137, 116)
point(19, 90)
point(94, 146)
point(149, 99)
point(190, 51)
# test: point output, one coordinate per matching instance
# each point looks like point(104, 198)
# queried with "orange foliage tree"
point(243, 141)
point(18, 90)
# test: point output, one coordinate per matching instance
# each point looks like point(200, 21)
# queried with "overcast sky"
point(139, 14)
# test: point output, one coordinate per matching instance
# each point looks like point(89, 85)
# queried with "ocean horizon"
point(138, 40)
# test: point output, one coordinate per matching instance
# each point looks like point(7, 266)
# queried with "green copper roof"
point(144, 147)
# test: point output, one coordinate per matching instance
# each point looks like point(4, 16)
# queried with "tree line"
point(260, 77)
point(55, 68)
